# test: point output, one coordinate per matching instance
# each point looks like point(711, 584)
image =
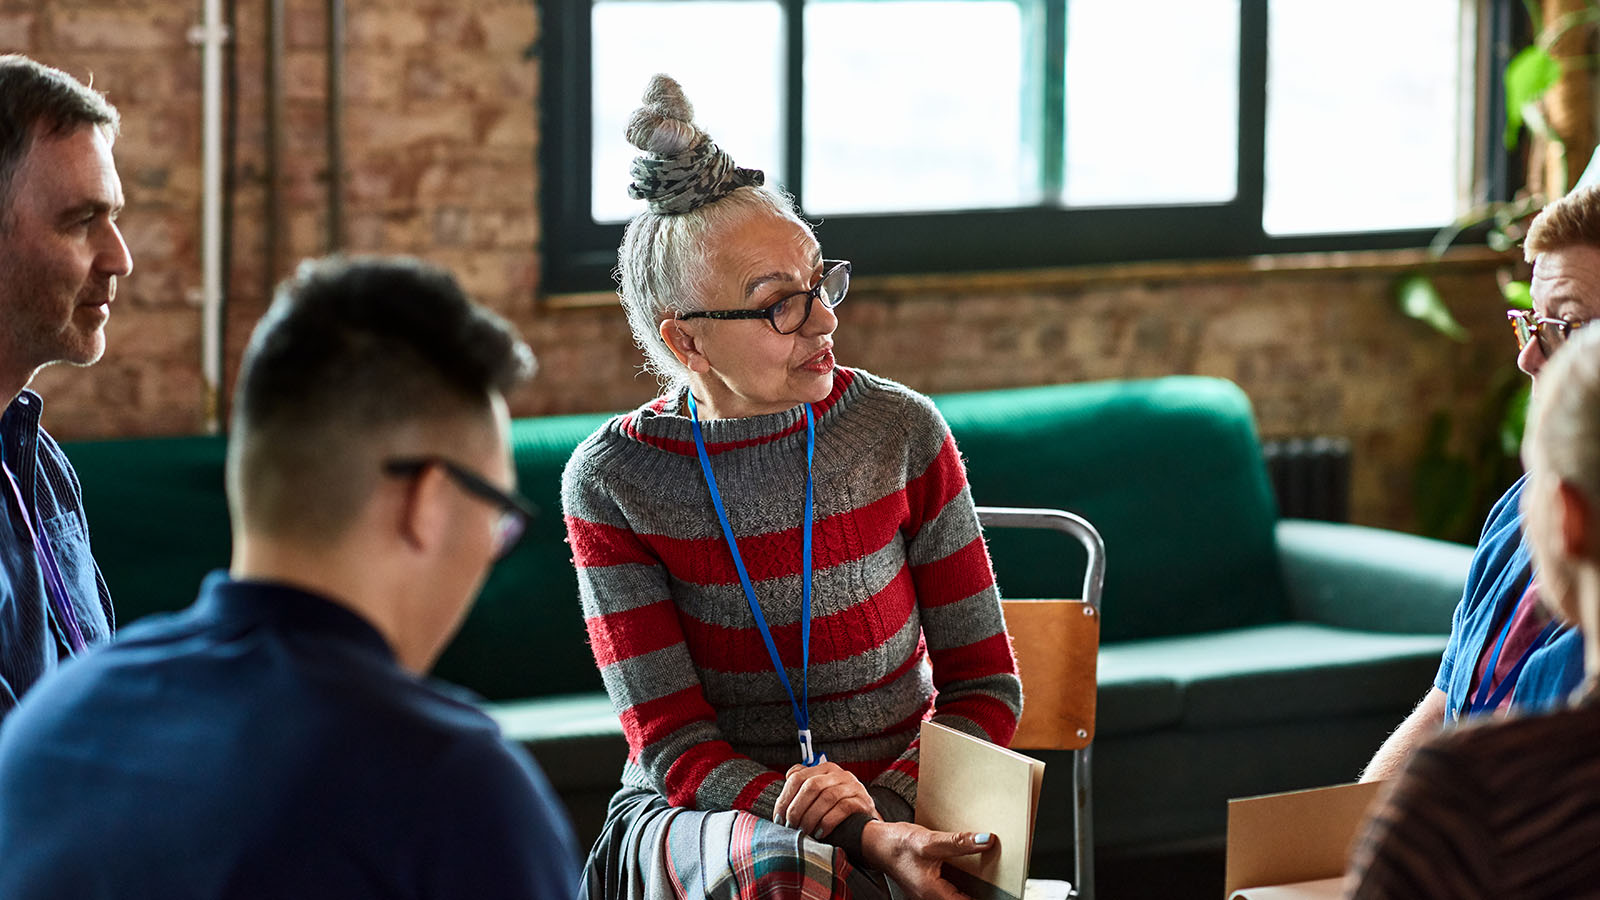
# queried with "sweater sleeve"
point(638, 643)
point(974, 671)
point(1425, 836)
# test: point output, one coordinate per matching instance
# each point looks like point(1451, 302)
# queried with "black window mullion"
point(578, 253)
point(1052, 160)
point(794, 22)
point(1252, 119)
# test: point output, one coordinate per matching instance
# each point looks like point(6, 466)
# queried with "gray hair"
point(665, 257)
point(38, 100)
point(1565, 420)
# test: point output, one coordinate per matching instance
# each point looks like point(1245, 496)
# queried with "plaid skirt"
point(650, 850)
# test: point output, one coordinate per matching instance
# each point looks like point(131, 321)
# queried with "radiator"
point(1310, 476)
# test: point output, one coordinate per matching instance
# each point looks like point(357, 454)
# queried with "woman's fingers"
point(815, 799)
point(791, 786)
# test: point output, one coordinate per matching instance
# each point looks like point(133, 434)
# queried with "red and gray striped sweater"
point(905, 617)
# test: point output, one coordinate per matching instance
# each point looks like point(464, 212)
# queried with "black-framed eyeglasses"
point(788, 314)
point(1550, 332)
point(515, 510)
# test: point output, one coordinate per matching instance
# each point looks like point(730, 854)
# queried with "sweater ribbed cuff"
point(847, 837)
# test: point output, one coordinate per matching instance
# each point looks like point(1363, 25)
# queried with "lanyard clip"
point(808, 756)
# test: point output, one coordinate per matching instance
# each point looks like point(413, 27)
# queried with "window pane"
point(1363, 141)
point(733, 76)
point(915, 105)
point(1152, 102)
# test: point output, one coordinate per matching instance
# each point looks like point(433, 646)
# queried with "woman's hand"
point(817, 798)
point(912, 854)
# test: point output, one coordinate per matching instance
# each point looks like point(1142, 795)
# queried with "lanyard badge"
point(801, 705)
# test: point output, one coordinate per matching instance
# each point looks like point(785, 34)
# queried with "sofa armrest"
point(1350, 576)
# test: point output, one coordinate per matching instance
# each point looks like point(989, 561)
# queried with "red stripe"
point(752, 792)
point(595, 545)
point(978, 660)
point(837, 539)
point(845, 634)
point(625, 634)
point(867, 769)
point(689, 771)
point(907, 766)
point(955, 577)
point(929, 492)
point(972, 661)
point(651, 720)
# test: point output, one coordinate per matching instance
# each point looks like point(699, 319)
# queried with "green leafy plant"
point(1462, 469)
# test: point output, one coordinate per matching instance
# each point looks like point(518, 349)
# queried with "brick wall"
point(441, 139)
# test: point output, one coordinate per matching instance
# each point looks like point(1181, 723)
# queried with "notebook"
point(969, 784)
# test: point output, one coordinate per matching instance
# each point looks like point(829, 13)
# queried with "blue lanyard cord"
point(802, 705)
point(1484, 700)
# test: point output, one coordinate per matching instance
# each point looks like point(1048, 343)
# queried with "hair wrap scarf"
point(689, 180)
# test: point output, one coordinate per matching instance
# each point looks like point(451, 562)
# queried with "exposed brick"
point(388, 28)
point(118, 29)
point(16, 32)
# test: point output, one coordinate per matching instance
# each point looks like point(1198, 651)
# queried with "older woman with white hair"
point(780, 563)
point(1510, 808)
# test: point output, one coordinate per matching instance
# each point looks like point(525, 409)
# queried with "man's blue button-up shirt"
point(31, 640)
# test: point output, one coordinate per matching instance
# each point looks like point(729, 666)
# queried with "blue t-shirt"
point(1501, 569)
point(264, 743)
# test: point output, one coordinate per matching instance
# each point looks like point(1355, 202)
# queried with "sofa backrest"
point(526, 637)
point(1169, 470)
point(158, 522)
point(158, 519)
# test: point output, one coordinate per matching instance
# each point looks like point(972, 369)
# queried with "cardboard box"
point(1294, 846)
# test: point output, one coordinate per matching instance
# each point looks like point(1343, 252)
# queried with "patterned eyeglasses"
point(1550, 332)
point(789, 314)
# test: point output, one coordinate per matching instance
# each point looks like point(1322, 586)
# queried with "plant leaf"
point(1528, 76)
point(1515, 421)
point(1420, 300)
point(1518, 294)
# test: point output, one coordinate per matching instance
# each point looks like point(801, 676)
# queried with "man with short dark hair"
point(276, 738)
point(60, 256)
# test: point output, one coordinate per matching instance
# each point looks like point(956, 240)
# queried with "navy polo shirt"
point(265, 743)
point(1500, 571)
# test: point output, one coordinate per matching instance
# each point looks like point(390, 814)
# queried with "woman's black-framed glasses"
point(789, 313)
point(1550, 332)
point(515, 510)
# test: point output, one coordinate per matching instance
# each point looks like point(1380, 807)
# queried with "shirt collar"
point(223, 598)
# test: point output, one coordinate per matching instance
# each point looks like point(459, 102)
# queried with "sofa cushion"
point(1170, 472)
point(1280, 673)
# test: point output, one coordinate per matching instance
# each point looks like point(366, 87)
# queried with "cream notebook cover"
point(968, 784)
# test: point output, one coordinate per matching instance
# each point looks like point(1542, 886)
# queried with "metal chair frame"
point(1094, 576)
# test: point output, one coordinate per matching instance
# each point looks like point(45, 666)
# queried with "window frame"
point(580, 254)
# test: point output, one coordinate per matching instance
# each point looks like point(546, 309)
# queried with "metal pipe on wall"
point(230, 168)
point(274, 115)
point(335, 126)
point(212, 36)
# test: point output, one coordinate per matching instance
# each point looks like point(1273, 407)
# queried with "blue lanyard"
point(1485, 701)
point(801, 706)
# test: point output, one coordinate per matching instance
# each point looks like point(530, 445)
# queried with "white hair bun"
point(664, 125)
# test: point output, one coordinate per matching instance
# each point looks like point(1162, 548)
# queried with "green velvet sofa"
point(1241, 654)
